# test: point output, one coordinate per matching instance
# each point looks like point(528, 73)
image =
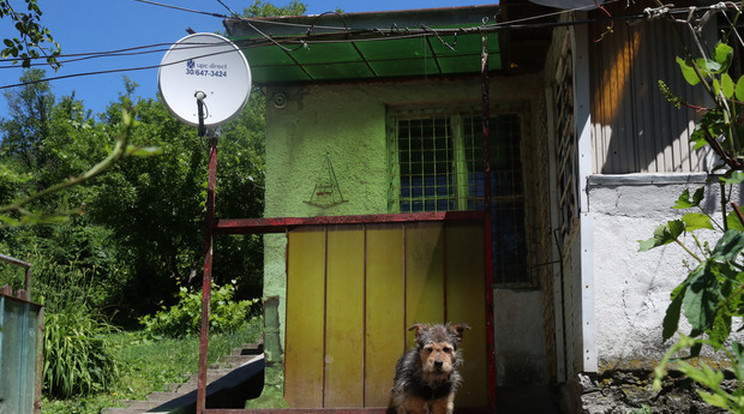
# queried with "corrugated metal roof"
point(396, 44)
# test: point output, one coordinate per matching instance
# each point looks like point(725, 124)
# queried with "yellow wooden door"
point(352, 291)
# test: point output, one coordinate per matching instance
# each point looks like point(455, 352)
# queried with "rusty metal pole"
point(201, 393)
point(488, 235)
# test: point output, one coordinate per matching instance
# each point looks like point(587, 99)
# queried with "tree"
point(261, 9)
point(34, 40)
point(29, 108)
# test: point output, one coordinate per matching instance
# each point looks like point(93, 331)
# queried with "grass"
point(150, 365)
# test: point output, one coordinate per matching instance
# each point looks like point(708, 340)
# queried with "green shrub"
point(79, 358)
point(226, 315)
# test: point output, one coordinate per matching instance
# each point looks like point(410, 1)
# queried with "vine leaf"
point(739, 91)
point(701, 298)
point(695, 221)
point(688, 72)
point(684, 201)
point(671, 318)
point(664, 234)
point(729, 246)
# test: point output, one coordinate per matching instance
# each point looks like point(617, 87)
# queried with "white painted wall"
point(632, 288)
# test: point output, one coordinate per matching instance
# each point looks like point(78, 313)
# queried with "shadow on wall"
point(636, 129)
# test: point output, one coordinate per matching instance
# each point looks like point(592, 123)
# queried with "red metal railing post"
point(486, 107)
point(201, 393)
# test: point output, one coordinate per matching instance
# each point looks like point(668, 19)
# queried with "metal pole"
point(488, 235)
point(20, 263)
point(201, 393)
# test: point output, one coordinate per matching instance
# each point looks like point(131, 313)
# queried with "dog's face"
point(437, 348)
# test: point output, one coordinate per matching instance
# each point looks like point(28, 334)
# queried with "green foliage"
point(184, 318)
point(265, 9)
point(712, 294)
point(137, 231)
point(717, 127)
point(147, 366)
point(34, 40)
point(78, 356)
point(711, 379)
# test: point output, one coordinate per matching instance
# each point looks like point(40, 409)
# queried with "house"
point(385, 205)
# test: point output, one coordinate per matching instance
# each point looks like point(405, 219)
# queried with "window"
point(436, 164)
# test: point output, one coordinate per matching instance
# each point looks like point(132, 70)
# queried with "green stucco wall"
point(346, 122)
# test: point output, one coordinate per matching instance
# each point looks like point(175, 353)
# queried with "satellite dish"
point(207, 67)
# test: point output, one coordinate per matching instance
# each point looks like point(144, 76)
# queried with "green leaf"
point(737, 177)
point(671, 318)
point(694, 221)
point(720, 331)
point(727, 86)
point(733, 222)
point(676, 228)
point(723, 55)
point(708, 66)
point(688, 72)
point(738, 353)
point(739, 93)
point(729, 246)
point(713, 399)
point(701, 298)
point(684, 200)
point(662, 235)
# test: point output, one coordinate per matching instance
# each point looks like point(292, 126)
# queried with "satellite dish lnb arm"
point(199, 95)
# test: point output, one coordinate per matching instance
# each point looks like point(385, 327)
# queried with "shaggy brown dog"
point(426, 377)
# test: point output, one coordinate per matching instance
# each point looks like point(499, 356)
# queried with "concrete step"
point(239, 357)
point(248, 349)
point(193, 381)
point(163, 396)
point(142, 405)
point(237, 360)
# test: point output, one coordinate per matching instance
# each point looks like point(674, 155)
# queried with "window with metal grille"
point(436, 164)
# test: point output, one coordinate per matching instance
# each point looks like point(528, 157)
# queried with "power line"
point(221, 16)
point(232, 13)
point(109, 71)
point(375, 34)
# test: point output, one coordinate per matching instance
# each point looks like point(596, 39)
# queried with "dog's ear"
point(459, 330)
point(419, 327)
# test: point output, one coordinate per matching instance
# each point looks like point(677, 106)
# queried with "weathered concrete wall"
point(631, 291)
point(520, 358)
point(632, 288)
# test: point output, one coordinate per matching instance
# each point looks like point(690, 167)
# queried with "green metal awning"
point(358, 46)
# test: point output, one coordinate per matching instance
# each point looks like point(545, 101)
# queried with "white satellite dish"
point(208, 67)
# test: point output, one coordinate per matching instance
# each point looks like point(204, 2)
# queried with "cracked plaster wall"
point(632, 288)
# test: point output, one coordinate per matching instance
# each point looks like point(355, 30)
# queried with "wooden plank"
point(466, 303)
point(385, 316)
point(424, 273)
point(344, 354)
point(303, 366)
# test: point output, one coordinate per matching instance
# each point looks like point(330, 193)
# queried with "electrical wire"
point(302, 41)
point(308, 27)
point(77, 57)
point(154, 3)
point(131, 69)
point(232, 13)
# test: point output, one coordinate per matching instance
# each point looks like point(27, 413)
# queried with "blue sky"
point(84, 26)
